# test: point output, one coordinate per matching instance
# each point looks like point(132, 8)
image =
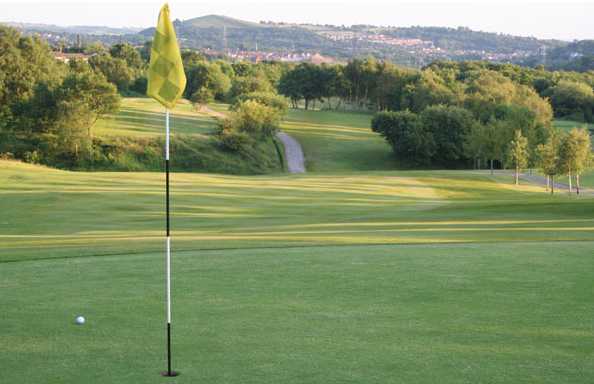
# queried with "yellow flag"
point(166, 77)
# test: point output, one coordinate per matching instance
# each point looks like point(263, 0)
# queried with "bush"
point(235, 141)
point(268, 99)
point(253, 118)
point(202, 96)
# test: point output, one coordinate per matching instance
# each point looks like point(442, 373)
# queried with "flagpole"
point(169, 372)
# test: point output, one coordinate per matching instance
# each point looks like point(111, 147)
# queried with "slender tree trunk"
point(517, 175)
point(569, 176)
point(552, 184)
point(548, 182)
point(577, 183)
point(491, 166)
point(306, 104)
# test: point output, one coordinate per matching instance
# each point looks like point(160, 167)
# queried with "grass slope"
point(146, 117)
point(137, 132)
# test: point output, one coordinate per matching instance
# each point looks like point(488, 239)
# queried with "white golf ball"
point(80, 320)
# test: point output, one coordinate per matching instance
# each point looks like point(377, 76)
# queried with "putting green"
point(497, 313)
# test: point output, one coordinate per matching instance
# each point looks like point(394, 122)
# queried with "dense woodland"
point(449, 114)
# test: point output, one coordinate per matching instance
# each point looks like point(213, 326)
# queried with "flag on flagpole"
point(166, 77)
point(166, 83)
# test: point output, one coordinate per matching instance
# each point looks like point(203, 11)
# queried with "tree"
point(206, 76)
point(548, 159)
point(574, 154)
point(191, 58)
point(449, 127)
point(306, 81)
point(475, 144)
point(406, 134)
point(115, 70)
point(248, 84)
point(428, 89)
point(128, 53)
point(518, 153)
point(96, 48)
point(583, 156)
point(573, 99)
point(567, 156)
point(25, 62)
point(93, 93)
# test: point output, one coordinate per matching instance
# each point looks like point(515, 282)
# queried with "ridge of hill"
point(219, 21)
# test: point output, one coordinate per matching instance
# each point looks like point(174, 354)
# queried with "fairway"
point(89, 213)
point(352, 273)
point(338, 141)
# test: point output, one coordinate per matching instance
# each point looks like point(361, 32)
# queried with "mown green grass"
point(339, 141)
point(496, 313)
point(331, 277)
point(86, 213)
point(146, 117)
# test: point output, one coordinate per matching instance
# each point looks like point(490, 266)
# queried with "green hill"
point(218, 21)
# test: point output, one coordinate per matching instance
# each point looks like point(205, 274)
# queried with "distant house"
point(66, 57)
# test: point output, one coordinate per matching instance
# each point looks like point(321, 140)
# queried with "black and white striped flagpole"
point(169, 372)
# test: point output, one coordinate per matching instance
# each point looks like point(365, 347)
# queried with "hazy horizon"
point(548, 20)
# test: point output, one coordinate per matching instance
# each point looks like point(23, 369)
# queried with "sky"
point(567, 20)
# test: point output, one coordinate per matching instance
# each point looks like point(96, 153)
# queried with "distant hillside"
point(225, 33)
point(576, 56)
point(81, 29)
point(217, 21)
point(413, 46)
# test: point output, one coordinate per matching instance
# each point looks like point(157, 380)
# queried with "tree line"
point(380, 85)
point(48, 108)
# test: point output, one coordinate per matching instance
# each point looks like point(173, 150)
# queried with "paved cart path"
point(293, 153)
